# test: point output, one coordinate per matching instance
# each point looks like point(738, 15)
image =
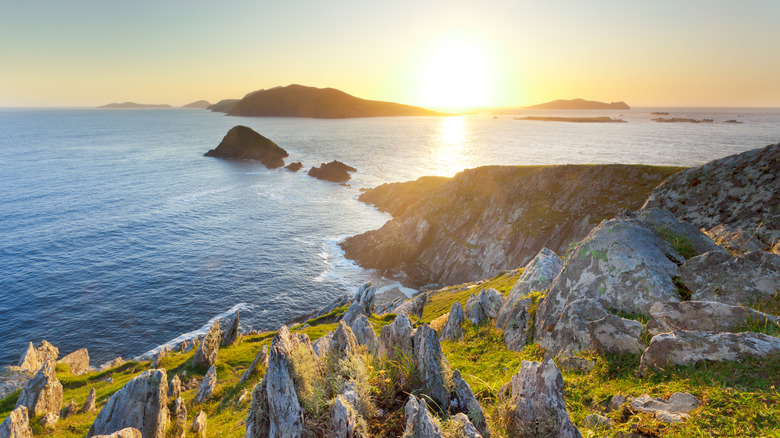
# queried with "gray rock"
point(16, 424)
point(616, 402)
point(419, 422)
point(365, 297)
point(690, 240)
point(142, 403)
point(77, 362)
point(396, 337)
point(244, 395)
point(13, 378)
point(43, 393)
point(465, 428)
point(206, 356)
point(705, 316)
point(365, 334)
point(128, 432)
point(174, 389)
point(158, 357)
point(613, 334)
point(413, 307)
point(537, 277)
point(231, 335)
point(537, 393)
point(570, 333)
point(735, 241)
point(453, 329)
point(180, 419)
point(111, 364)
point(260, 359)
point(688, 347)
point(487, 304)
point(89, 403)
point(71, 409)
point(596, 421)
point(49, 420)
point(388, 300)
point(517, 325)
point(207, 386)
point(347, 422)
point(739, 280)
point(673, 410)
point(199, 425)
point(432, 365)
point(322, 345)
point(353, 312)
point(257, 420)
point(575, 363)
point(463, 401)
point(344, 341)
point(33, 358)
point(339, 301)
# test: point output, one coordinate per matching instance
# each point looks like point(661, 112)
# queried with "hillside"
point(133, 105)
point(579, 104)
point(200, 104)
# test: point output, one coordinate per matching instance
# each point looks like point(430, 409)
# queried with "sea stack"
point(242, 143)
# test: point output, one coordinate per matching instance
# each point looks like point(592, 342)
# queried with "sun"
point(456, 75)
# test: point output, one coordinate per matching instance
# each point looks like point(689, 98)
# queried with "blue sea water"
point(116, 234)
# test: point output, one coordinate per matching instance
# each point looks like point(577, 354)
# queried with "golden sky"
point(439, 54)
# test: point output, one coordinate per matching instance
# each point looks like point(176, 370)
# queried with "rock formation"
point(207, 385)
point(335, 171)
point(463, 401)
point(742, 280)
point(128, 432)
point(199, 425)
point(174, 389)
point(613, 334)
point(260, 359)
point(179, 419)
point(242, 143)
point(71, 409)
point(206, 356)
point(230, 337)
point(396, 337)
point(702, 316)
point(77, 362)
point(413, 307)
point(431, 364)
point(672, 410)
point(487, 304)
point(453, 328)
point(16, 425)
point(89, 403)
point(34, 358)
point(294, 167)
point(364, 334)
point(419, 422)
point(43, 393)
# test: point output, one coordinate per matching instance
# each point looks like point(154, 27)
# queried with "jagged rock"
point(347, 422)
point(396, 337)
point(706, 316)
point(388, 300)
point(465, 428)
point(741, 280)
point(13, 378)
point(89, 403)
point(43, 393)
point(49, 420)
point(365, 296)
point(537, 393)
point(687, 347)
point(142, 403)
point(537, 277)
point(242, 143)
point(322, 345)
point(207, 385)
point(344, 341)
point(180, 419)
point(575, 363)
point(570, 333)
point(463, 401)
point(673, 410)
point(365, 334)
point(339, 301)
point(335, 171)
point(735, 241)
point(231, 335)
point(199, 425)
point(260, 359)
point(517, 325)
point(206, 356)
point(294, 167)
point(354, 311)
point(128, 432)
point(257, 421)
point(413, 307)
point(431, 364)
point(16, 425)
point(616, 402)
point(111, 364)
point(71, 409)
point(453, 329)
point(613, 334)
point(596, 421)
point(174, 389)
point(34, 358)
point(485, 305)
point(77, 362)
point(158, 357)
point(419, 422)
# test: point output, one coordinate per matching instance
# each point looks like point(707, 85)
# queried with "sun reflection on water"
point(450, 156)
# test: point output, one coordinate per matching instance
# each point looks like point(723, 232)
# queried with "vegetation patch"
point(441, 301)
point(680, 243)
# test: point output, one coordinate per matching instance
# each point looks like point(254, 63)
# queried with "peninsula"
point(579, 104)
point(200, 104)
point(133, 105)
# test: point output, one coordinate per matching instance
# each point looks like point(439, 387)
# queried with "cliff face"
point(492, 218)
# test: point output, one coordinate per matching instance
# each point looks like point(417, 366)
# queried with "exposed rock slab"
point(414, 306)
point(16, 425)
point(206, 356)
point(242, 143)
point(431, 364)
point(453, 328)
point(260, 359)
point(689, 347)
point(486, 304)
point(717, 276)
point(43, 393)
point(396, 337)
point(13, 378)
point(613, 334)
point(705, 316)
point(34, 357)
point(174, 388)
point(463, 401)
point(207, 386)
point(89, 403)
point(536, 277)
point(419, 422)
point(231, 335)
point(344, 341)
point(335, 171)
point(128, 432)
point(673, 410)
point(199, 425)
point(365, 335)
point(570, 332)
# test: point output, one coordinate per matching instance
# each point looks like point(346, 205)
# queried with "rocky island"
point(133, 105)
point(579, 104)
point(223, 106)
point(335, 171)
point(200, 104)
point(242, 143)
point(573, 119)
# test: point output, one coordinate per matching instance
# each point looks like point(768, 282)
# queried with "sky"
point(438, 54)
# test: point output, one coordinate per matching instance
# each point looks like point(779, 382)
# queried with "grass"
point(441, 301)
point(680, 243)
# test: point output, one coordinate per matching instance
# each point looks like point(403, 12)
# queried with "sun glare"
point(450, 156)
point(456, 76)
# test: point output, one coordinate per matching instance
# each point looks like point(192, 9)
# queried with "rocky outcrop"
point(13, 378)
point(346, 419)
point(613, 334)
point(322, 345)
point(206, 356)
point(365, 335)
point(242, 143)
point(344, 341)
point(223, 106)
point(335, 171)
point(71, 409)
point(89, 403)
point(688, 347)
point(702, 316)
point(157, 360)
point(537, 393)
point(672, 410)
point(128, 432)
point(494, 218)
point(742, 280)
point(396, 337)
point(536, 277)
point(174, 389)
point(198, 426)
point(570, 332)
point(463, 401)
point(33, 358)
point(294, 167)
point(413, 307)
point(230, 336)
point(142, 404)
point(464, 427)
point(484, 305)
point(207, 385)
point(179, 418)
point(43, 393)
point(419, 422)
point(453, 328)
point(111, 364)
point(260, 359)
point(16, 425)
point(432, 365)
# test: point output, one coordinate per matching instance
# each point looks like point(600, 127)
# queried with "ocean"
point(117, 235)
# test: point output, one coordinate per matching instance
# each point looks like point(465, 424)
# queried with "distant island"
point(242, 143)
point(573, 119)
point(223, 106)
point(133, 105)
point(580, 104)
point(322, 103)
point(200, 104)
point(681, 120)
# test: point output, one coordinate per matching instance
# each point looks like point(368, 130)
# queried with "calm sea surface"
point(116, 234)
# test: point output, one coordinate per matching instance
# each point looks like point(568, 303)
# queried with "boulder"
point(735, 241)
point(465, 428)
point(335, 171)
point(596, 421)
point(517, 324)
point(742, 280)
point(344, 341)
point(570, 332)
point(453, 328)
point(537, 393)
point(77, 362)
point(242, 143)
point(174, 389)
point(347, 422)
point(89, 403)
point(43, 393)
point(396, 337)
point(294, 167)
point(322, 345)
point(419, 422)
point(431, 364)
point(260, 359)
point(613, 334)
point(207, 386)
point(575, 363)
point(463, 401)
point(206, 356)
point(111, 364)
point(199, 425)
point(158, 357)
point(537, 277)
point(388, 300)
point(688, 347)
point(13, 378)
point(487, 304)
point(365, 335)
point(49, 420)
point(16, 424)
point(71, 409)
point(413, 307)
point(231, 335)
point(128, 432)
point(365, 296)
point(705, 316)
point(257, 421)
point(353, 312)
point(673, 410)
point(33, 358)
point(142, 404)
point(180, 419)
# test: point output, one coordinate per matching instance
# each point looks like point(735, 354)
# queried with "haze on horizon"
point(436, 54)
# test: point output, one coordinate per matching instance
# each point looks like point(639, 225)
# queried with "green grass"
point(441, 301)
point(680, 243)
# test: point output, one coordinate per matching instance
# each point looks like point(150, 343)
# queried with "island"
point(242, 143)
point(294, 167)
point(200, 104)
point(579, 104)
point(681, 120)
point(223, 106)
point(322, 103)
point(573, 119)
point(335, 171)
point(133, 105)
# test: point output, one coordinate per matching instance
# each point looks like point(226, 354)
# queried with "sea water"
point(118, 235)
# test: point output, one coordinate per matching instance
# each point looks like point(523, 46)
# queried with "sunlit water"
point(116, 234)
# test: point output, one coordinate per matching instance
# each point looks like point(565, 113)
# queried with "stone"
point(89, 403)
point(570, 333)
point(486, 304)
point(71, 409)
point(242, 143)
point(706, 316)
point(33, 358)
point(77, 362)
point(453, 329)
point(464, 426)
point(174, 389)
point(346, 420)
point(128, 432)
point(231, 335)
point(180, 419)
point(257, 421)
point(339, 301)
point(616, 402)
point(463, 401)
point(13, 378)
point(260, 359)
point(49, 420)
point(244, 395)
point(419, 422)
point(688, 347)
point(322, 345)
point(431, 364)
point(388, 300)
point(613, 334)
point(16, 424)
point(575, 363)
point(207, 386)
point(673, 410)
point(396, 337)
point(365, 335)
point(517, 325)
point(206, 356)
point(111, 364)
point(537, 393)
point(596, 421)
point(353, 312)
point(365, 296)
point(735, 241)
point(335, 171)
point(344, 341)
point(741, 280)
point(156, 362)
point(536, 277)
point(413, 307)
point(294, 167)
point(142, 403)
point(43, 393)
point(199, 425)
